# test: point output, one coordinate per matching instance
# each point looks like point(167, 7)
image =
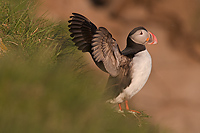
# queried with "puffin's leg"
point(120, 108)
point(131, 111)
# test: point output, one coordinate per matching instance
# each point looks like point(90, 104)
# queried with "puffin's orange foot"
point(133, 111)
point(129, 110)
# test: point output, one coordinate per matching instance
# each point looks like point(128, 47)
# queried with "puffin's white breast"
point(141, 69)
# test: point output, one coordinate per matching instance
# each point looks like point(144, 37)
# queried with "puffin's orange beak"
point(151, 39)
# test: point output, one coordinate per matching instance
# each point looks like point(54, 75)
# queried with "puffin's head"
point(140, 35)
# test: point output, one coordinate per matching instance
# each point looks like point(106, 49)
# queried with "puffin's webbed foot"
point(129, 110)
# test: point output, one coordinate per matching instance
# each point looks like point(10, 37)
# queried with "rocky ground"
point(171, 95)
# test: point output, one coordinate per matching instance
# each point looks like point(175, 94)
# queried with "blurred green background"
point(45, 85)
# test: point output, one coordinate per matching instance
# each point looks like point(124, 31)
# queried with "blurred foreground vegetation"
point(45, 85)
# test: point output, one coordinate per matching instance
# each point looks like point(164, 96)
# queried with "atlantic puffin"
point(128, 69)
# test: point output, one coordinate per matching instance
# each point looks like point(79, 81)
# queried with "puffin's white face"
point(142, 37)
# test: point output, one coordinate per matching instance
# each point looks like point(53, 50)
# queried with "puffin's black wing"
point(82, 29)
point(98, 42)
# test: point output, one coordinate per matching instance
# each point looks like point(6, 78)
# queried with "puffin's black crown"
point(136, 29)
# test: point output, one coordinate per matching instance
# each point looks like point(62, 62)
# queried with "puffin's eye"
point(141, 33)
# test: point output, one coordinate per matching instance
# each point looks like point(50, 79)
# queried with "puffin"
point(128, 69)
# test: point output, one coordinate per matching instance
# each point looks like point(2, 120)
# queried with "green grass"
point(44, 85)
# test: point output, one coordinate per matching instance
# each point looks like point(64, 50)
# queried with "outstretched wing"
point(82, 29)
point(99, 43)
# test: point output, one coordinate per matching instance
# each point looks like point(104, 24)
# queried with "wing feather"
point(106, 49)
point(82, 31)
